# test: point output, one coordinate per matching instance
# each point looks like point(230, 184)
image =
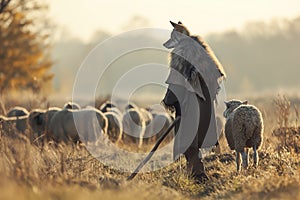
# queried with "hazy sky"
point(83, 17)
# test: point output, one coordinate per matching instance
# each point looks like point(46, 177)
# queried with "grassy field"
point(70, 172)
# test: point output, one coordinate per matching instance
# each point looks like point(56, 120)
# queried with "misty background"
point(261, 57)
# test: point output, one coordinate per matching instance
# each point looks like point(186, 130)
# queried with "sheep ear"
point(245, 102)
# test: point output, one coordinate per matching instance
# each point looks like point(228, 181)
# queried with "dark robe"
point(193, 97)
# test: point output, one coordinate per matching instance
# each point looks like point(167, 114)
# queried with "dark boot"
point(195, 166)
point(199, 174)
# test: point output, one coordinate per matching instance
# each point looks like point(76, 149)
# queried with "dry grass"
point(70, 172)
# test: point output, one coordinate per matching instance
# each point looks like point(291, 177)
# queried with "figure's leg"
point(255, 156)
point(194, 163)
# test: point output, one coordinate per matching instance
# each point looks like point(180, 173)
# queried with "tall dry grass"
point(58, 171)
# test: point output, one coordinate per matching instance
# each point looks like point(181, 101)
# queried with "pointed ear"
point(173, 24)
point(245, 102)
point(179, 22)
point(180, 28)
point(177, 26)
point(226, 103)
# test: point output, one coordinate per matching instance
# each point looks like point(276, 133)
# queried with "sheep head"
point(232, 105)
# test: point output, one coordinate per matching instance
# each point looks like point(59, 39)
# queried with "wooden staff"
point(136, 171)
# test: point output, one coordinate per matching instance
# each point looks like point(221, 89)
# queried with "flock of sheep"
point(71, 124)
point(134, 125)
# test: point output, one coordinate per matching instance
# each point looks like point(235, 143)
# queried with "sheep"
point(36, 122)
point(243, 130)
point(72, 106)
point(67, 125)
point(133, 126)
point(130, 106)
point(116, 111)
point(49, 114)
point(110, 107)
point(17, 111)
point(17, 116)
point(115, 126)
point(107, 106)
point(39, 120)
point(18, 122)
point(158, 125)
point(147, 116)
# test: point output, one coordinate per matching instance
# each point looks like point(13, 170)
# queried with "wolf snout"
point(169, 44)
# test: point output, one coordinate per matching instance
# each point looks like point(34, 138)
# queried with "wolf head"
point(179, 32)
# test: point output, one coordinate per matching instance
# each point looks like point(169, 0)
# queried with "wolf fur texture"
point(192, 55)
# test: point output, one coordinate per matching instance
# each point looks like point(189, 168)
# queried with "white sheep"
point(130, 106)
point(17, 111)
point(159, 124)
point(116, 111)
point(49, 114)
point(72, 106)
point(243, 130)
point(110, 107)
point(147, 116)
point(36, 122)
point(17, 116)
point(39, 120)
point(18, 122)
point(107, 106)
point(84, 125)
point(114, 127)
point(133, 126)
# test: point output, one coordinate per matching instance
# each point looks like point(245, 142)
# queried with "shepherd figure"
point(193, 85)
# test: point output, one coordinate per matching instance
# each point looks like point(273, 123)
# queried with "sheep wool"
point(243, 129)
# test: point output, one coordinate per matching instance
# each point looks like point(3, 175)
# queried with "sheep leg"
point(120, 136)
point(245, 158)
point(255, 156)
point(238, 160)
